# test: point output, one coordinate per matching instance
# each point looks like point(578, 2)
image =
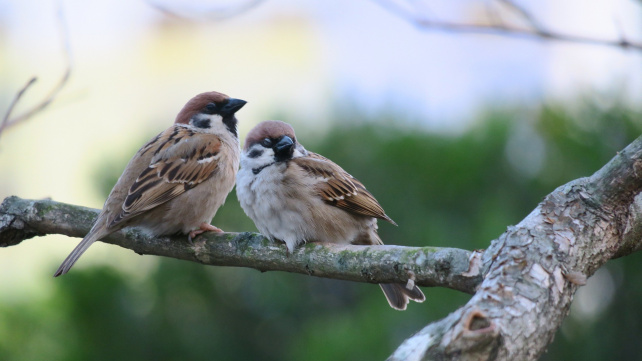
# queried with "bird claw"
point(204, 227)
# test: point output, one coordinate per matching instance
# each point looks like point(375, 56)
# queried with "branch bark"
point(22, 219)
point(533, 270)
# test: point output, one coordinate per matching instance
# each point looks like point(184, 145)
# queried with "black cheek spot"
point(255, 153)
point(202, 123)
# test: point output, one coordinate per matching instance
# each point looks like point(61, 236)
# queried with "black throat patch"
point(258, 170)
point(230, 123)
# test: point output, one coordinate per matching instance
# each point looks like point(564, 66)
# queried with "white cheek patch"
point(216, 125)
point(260, 157)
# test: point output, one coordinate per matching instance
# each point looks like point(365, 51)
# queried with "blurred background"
point(457, 135)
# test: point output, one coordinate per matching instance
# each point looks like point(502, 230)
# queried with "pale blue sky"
point(379, 60)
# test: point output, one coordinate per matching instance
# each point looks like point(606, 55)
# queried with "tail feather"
point(66, 265)
point(398, 295)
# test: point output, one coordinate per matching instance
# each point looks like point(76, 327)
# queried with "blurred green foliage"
point(442, 190)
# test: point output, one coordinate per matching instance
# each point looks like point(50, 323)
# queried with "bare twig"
point(217, 14)
point(535, 33)
point(7, 120)
point(492, 14)
point(524, 14)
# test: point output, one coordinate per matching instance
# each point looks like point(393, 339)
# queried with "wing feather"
point(338, 188)
point(182, 159)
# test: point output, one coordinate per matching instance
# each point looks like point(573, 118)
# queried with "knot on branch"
point(475, 334)
point(14, 230)
point(478, 321)
point(637, 168)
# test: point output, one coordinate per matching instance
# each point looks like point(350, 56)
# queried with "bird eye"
point(267, 143)
point(210, 108)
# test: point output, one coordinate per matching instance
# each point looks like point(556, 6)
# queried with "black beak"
point(284, 148)
point(232, 106)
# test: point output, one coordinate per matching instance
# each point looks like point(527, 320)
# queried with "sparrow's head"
point(211, 112)
point(271, 141)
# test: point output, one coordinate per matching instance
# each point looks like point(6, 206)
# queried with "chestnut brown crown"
point(197, 103)
point(268, 129)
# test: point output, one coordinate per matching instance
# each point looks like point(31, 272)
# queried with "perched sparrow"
point(178, 180)
point(295, 196)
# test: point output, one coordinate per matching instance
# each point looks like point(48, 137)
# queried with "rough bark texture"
point(533, 270)
point(21, 219)
point(523, 284)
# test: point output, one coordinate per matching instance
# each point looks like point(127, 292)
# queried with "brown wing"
point(181, 160)
point(340, 189)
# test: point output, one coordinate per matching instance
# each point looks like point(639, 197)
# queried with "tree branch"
point(8, 121)
point(535, 30)
point(533, 270)
point(21, 219)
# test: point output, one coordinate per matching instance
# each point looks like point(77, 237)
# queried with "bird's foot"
point(204, 227)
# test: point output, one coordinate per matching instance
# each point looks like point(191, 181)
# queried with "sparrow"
point(177, 181)
point(295, 196)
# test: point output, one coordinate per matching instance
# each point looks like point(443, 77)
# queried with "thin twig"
point(5, 120)
point(534, 23)
point(492, 14)
point(8, 121)
point(212, 14)
point(502, 29)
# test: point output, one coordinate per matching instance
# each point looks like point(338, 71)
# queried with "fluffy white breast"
point(275, 210)
point(284, 203)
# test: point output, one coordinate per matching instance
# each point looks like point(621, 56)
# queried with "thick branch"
point(446, 267)
point(533, 270)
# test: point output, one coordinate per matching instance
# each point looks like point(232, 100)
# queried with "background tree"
point(464, 190)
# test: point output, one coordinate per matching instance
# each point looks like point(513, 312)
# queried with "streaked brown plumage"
point(340, 188)
point(295, 196)
point(177, 181)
